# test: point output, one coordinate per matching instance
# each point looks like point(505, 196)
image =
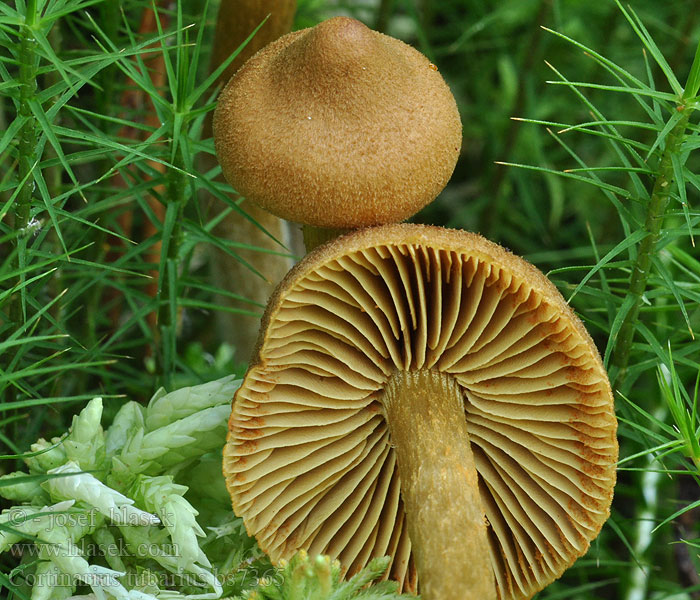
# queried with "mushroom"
point(424, 393)
point(338, 126)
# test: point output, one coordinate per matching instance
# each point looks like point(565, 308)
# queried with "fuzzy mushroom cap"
point(309, 461)
point(338, 126)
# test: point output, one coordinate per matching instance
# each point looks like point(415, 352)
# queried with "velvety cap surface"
point(338, 126)
point(309, 462)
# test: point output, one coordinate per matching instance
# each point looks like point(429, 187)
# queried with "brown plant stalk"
point(235, 22)
point(137, 102)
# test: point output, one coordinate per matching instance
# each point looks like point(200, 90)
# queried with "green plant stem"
point(26, 149)
point(172, 242)
point(656, 210)
point(384, 11)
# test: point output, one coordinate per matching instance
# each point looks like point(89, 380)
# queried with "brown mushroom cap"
point(338, 126)
point(308, 461)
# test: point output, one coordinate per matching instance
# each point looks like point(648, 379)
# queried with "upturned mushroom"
point(338, 126)
point(424, 393)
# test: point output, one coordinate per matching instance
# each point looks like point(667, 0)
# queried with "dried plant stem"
point(656, 210)
point(235, 22)
point(135, 99)
point(26, 149)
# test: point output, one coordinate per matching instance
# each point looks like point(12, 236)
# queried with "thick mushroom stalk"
point(439, 485)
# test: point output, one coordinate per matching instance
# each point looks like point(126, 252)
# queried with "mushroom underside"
point(309, 461)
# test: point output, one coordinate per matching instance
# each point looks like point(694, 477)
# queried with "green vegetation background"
point(601, 183)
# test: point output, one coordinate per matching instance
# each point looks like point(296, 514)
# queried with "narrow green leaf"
point(600, 184)
point(679, 177)
point(676, 514)
point(632, 240)
point(5, 580)
point(58, 64)
point(620, 89)
point(661, 269)
point(670, 445)
point(652, 48)
point(58, 368)
point(615, 326)
point(672, 122)
point(693, 84)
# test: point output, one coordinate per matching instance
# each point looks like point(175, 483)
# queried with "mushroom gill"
point(309, 462)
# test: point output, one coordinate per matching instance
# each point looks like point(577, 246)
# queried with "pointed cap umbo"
point(309, 461)
point(338, 126)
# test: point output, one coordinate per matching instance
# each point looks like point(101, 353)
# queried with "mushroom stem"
point(439, 486)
